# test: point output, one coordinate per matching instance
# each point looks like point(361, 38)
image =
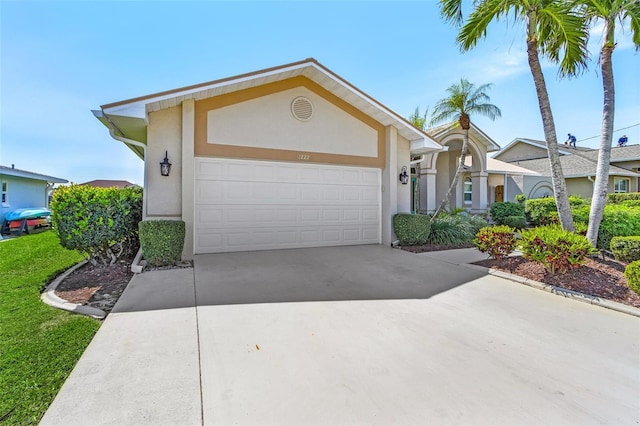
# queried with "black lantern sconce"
point(404, 177)
point(165, 166)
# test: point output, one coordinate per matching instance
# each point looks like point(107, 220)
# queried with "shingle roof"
point(573, 166)
point(618, 153)
point(107, 183)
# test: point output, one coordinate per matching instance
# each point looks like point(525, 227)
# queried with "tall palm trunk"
point(557, 177)
point(601, 184)
point(456, 177)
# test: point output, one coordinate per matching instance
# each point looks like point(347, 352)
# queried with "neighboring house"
point(578, 166)
point(285, 157)
point(483, 182)
point(107, 183)
point(22, 189)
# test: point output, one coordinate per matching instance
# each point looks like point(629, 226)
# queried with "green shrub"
point(618, 221)
point(412, 229)
point(538, 210)
point(543, 211)
point(499, 211)
point(626, 249)
point(93, 220)
point(477, 223)
point(448, 230)
point(580, 228)
point(521, 198)
point(577, 201)
point(517, 222)
point(498, 241)
point(580, 214)
point(632, 274)
point(556, 249)
point(631, 203)
point(162, 241)
point(619, 198)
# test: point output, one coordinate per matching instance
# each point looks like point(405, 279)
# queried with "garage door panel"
point(251, 205)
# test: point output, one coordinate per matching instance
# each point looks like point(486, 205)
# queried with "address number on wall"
point(304, 157)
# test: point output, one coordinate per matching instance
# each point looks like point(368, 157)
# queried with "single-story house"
point(578, 166)
point(285, 157)
point(109, 183)
point(23, 189)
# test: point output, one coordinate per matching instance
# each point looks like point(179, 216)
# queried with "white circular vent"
point(302, 108)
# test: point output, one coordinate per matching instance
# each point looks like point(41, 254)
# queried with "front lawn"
point(39, 345)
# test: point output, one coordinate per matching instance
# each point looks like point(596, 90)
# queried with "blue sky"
point(59, 60)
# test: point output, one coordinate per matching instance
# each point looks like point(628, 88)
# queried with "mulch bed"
point(97, 286)
point(597, 277)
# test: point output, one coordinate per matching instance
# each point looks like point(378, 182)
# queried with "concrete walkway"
point(238, 340)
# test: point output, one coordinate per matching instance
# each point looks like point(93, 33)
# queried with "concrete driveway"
point(351, 335)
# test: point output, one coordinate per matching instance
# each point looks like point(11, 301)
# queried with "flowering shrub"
point(497, 241)
point(556, 249)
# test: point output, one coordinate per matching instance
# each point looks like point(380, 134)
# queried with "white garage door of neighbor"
point(245, 205)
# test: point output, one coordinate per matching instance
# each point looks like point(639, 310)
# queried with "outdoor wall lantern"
point(165, 166)
point(404, 177)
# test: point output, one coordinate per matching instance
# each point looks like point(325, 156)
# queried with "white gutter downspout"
point(593, 183)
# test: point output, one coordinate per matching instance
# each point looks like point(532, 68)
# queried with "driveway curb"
point(50, 298)
point(570, 294)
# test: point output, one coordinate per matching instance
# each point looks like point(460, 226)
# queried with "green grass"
point(39, 345)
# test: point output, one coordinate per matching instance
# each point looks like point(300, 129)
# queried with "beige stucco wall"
point(580, 186)
point(164, 193)
point(404, 191)
point(493, 181)
point(267, 122)
point(521, 151)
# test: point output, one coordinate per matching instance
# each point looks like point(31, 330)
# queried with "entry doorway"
point(499, 193)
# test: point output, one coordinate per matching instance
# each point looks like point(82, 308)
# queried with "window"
point(620, 185)
point(5, 187)
point(468, 190)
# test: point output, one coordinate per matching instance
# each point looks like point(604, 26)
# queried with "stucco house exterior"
point(578, 165)
point(23, 189)
point(285, 157)
point(483, 182)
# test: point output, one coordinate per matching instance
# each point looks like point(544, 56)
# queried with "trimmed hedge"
point(498, 241)
point(632, 274)
point(93, 220)
point(543, 211)
point(162, 241)
point(499, 211)
point(619, 198)
point(626, 249)
point(556, 249)
point(618, 221)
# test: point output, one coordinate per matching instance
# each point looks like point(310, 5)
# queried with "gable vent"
point(302, 108)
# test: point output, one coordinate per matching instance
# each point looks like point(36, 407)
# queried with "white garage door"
point(258, 205)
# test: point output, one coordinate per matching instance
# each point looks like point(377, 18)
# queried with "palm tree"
point(463, 101)
point(419, 120)
point(553, 29)
point(608, 11)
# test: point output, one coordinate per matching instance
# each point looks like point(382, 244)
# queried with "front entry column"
point(479, 192)
point(390, 185)
point(428, 190)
